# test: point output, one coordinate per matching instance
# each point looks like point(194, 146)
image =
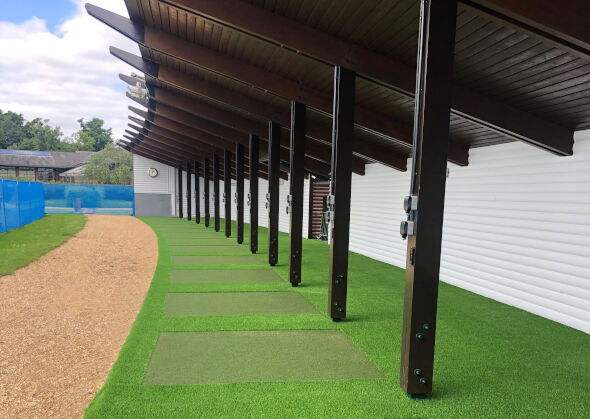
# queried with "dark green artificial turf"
point(203, 241)
point(236, 303)
point(210, 249)
point(216, 260)
point(249, 356)
point(21, 246)
point(213, 276)
point(492, 360)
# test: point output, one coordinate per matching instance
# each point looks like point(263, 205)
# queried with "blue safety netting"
point(20, 203)
point(68, 198)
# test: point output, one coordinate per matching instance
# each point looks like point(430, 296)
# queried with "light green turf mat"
point(220, 276)
point(182, 358)
point(236, 304)
point(201, 241)
point(208, 249)
point(216, 260)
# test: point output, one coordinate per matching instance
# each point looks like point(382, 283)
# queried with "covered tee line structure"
point(290, 88)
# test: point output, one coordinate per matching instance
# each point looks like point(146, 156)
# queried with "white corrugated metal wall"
point(516, 226)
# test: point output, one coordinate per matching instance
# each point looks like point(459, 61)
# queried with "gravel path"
point(65, 317)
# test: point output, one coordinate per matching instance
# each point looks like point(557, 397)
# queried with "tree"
point(39, 135)
point(110, 166)
point(94, 129)
point(12, 129)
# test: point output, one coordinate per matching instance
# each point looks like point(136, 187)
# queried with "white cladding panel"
point(516, 226)
point(143, 183)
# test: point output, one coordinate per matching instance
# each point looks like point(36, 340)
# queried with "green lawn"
point(23, 245)
point(492, 360)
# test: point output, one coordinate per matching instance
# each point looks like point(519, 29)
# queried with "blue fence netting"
point(20, 203)
point(65, 198)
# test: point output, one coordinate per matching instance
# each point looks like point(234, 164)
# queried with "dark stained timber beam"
point(216, 190)
point(253, 194)
point(320, 131)
point(344, 94)
point(296, 181)
point(272, 197)
point(197, 193)
point(206, 192)
point(240, 192)
point(401, 77)
point(425, 206)
point(179, 169)
point(227, 191)
point(189, 208)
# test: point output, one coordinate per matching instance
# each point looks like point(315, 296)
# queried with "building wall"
point(516, 226)
point(153, 196)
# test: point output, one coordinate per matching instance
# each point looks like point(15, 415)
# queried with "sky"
point(55, 63)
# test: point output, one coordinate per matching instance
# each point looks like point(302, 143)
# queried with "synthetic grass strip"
point(209, 249)
point(215, 260)
point(492, 360)
point(247, 356)
point(236, 304)
point(223, 276)
point(202, 241)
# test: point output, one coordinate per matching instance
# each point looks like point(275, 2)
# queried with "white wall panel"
point(143, 183)
point(516, 226)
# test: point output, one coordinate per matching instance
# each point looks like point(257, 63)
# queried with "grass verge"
point(21, 246)
point(492, 360)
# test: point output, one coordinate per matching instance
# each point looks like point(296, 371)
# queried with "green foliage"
point(21, 246)
point(18, 134)
point(492, 360)
point(111, 166)
point(93, 130)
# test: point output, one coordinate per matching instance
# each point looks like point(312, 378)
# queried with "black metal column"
point(272, 197)
point(425, 206)
point(295, 199)
point(206, 193)
point(339, 200)
point(197, 193)
point(253, 195)
point(216, 190)
point(179, 191)
point(188, 192)
point(240, 191)
point(227, 190)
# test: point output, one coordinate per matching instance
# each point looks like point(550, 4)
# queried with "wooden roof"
point(522, 77)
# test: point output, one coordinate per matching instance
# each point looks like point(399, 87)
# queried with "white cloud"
point(68, 75)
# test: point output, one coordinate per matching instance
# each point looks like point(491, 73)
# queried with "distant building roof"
point(50, 159)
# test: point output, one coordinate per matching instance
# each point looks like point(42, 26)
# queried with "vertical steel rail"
point(227, 190)
point(425, 206)
point(339, 202)
point(272, 197)
point(295, 198)
point(240, 191)
point(206, 193)
point(188, 192)
point(253, 195)
point(216, 190)
point(180, 191)
point(197, 193)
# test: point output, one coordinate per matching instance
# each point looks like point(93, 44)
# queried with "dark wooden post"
point(227, 190)
point(295, 199)
point(188, 192)
point(216, 190)
point(253, 195)
point(206, 192)
point(272, 197)
point(240, 191)
point(179, 191)
point(339, 200)
point(429, 163)
point(197, 193)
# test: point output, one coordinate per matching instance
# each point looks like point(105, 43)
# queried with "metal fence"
point(88, 199)
point(20, 203)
